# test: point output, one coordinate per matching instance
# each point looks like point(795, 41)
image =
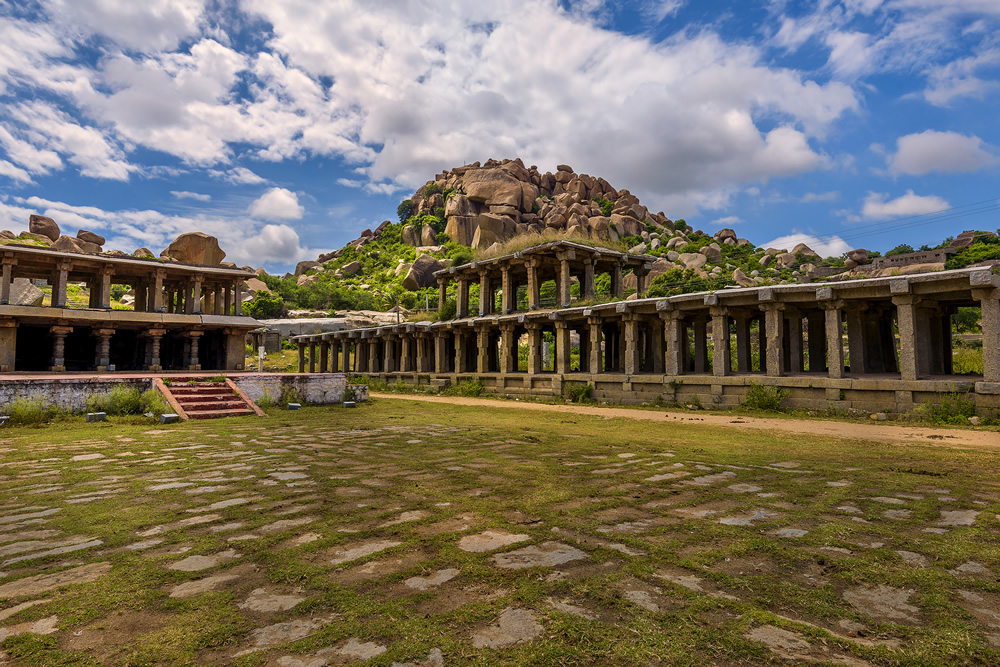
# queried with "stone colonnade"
point(893, 333)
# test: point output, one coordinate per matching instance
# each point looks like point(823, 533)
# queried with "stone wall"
point(67, 394)
point(317, 389)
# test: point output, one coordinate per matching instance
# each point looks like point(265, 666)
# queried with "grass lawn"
point(402, 532)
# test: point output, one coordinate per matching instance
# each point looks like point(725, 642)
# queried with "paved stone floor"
point(308, 544)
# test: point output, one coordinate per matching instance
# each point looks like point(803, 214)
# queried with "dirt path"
point(893, 433)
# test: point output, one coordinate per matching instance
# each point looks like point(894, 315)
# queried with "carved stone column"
point(7, 279)
point(508, 349)
point(631, 345)
point(564, 282)
point(774, 327)
point(154, 362)
point(485, 293)
point(595, 344)
point(462, 299)
point(721, 363)
point(534, 286)
point(534, 348)
point(989, 305)
point(587, 289)
point(104, 348)
point(562, 365)
point(442, 293)
point(324, 356)
point(59, 334)
point(193, 363)
point(509, 290)
point(834, 340)
point(60, 277)
point(104, 294)
point(302, 357)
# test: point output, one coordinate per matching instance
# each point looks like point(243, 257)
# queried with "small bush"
point(124, 400)
point(469, 388)
point(404, 210)
point(578, 392)
point(954, 408)
point(378, 384)
point(289, 394)
point(266, 401)
point(33, 410)
point(431, 189)
point(763, 397)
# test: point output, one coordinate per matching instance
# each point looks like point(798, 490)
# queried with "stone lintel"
point(587, 312)
point(663, 304)
point(899, 286)
point(824, 293)
point(621, 307)
point(981, 277)
point(765, 294)
point(711, 299)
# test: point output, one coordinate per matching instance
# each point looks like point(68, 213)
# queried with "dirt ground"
point(892, 433)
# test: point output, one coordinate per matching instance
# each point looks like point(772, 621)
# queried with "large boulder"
point(803, 249)
point(421, 273)
point(492, 187)
point(741, 279)
point(859, 255)
point(257, 285)
point(306, 265)
point(502, 226)
point(626, 225)
point(90, 237)
point(24, 293)
point(692, 260)
point(144, 253)
point(724, 234)
point(411, 235)
point(6, 235)
point(195, 248)
point(484, 238)
point(351, 268)
point(713, 253)
point(460, 205)
point(70, 244)
point(460, 229)
point(39, 224)
point(427, 236)
point(785, 259)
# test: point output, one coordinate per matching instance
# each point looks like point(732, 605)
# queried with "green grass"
point(532, 473)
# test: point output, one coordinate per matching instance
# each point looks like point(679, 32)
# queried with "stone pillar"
point(312, 356)
point(817, 342)
point(595, 344)
point(196, 295)
point(460, 352)
point(989, 305)
point(534, 349)
point(744, 362)
point(721, 363)
point(59, 279)
point(194, 364)
point(762, 342)
point(302, 357)
point(155, 335)
point(509, 290)
point(700, 345)
point(229, 300)
point(834, 341)
point(59, 347)
point(360, 355)
point(631, 365)
point(104, 298)
point(564, 282)
point(483, 343)
point(6, 280)
point(654, 340)
point(462, 299)
point(345, 351)
point(774, 328)
point(641, 282)
point(793, 345)
point(534, 286)
point(562, 365)
point(324, 356)
point(673, 335)
point(217, 307)
point(587, 288)
point(238, 298)
point(906, 319)
point(617, 286)
point(104, 348)
point(856, 341)
point(389, 354)
point(442, 293)
point(485, 293)
point(407, 350)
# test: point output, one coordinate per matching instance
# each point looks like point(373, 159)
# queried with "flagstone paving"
point(398, 535)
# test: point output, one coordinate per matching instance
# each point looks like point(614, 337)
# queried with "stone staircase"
point(203, 398)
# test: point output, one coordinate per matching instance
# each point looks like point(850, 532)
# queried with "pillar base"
point(57, 367)
point(101, 369)
point(194, 367)
point(156, 368)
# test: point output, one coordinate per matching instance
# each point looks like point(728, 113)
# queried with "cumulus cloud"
point(728, 220)
point(157, 24)
point(878, 206)
point(277, 204)
point(924, 152)
point(825, 246)
point(237, 176)
point(245, 241)
point(184, 194)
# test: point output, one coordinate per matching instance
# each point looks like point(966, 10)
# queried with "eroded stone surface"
point(433, 580)
point(513, 626)
point(489, 540)
point(192, 588)
point(282, 633)
point(341, 556)
point(958, 518)
point(546, 554)
point(748, 519)
point(262, 601)
point(199, 562)
point(883, 601)
point(44, 583)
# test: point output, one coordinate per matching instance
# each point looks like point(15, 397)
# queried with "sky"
point(286, 127)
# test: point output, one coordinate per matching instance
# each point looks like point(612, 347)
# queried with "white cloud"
point(957, 79)
point(277, 204)
point(274, 243)
point(245, 241)
point(728, 220)
point(825, 246)
point(184, 194)
point(14, 172)
point(878, 206)
point(928, 151)
point(812, 197)
point(238, 176)
point(149, 24)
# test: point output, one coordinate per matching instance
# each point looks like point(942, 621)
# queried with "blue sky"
point(285, 127)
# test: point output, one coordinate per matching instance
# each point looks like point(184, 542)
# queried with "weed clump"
point(578, 392)
point(31, 410)
point(125, 400)
point(763, 397)
point(469, 388)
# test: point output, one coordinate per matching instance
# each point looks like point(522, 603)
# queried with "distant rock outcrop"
point(195, 248)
